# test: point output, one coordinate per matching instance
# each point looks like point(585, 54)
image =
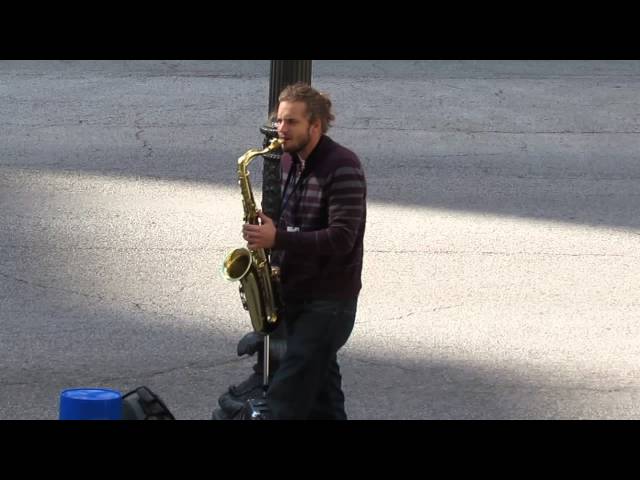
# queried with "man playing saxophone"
point(318, 246)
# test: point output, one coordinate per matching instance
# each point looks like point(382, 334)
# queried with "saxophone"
point(252, 269)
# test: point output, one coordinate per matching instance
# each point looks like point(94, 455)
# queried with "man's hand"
point(260, 236)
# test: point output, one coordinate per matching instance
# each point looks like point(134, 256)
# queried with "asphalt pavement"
point(501, 269)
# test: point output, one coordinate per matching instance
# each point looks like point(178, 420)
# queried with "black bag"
point(143, 404)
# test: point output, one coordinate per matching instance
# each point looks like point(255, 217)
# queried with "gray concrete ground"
point(501, 265)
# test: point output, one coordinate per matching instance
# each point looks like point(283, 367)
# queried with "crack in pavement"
point(500, 132)
point(465, 252)
point(463, 385)
point(386, 365)
point(47, 287)
point(402, 317)
point(139, 132)
point(137, 306)
point(149, 375)
point(112, 249)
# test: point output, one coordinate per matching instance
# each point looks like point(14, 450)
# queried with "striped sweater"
point(327, 203)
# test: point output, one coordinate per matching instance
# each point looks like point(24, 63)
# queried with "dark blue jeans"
point(308, 384)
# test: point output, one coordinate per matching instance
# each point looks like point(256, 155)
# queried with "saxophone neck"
point(250, 155)
point(248, 201)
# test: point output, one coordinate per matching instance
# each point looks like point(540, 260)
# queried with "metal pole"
point(283, 73)
point(265, 366)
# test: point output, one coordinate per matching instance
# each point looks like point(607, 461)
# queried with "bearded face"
point(294, 128)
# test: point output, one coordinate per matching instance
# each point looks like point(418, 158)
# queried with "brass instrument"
point(252, 268)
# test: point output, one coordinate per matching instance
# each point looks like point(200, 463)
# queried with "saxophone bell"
point(236, 264)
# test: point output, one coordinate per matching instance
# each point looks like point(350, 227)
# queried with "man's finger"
point(263, 217)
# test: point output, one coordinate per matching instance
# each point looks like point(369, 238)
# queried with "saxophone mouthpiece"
point(276, 143)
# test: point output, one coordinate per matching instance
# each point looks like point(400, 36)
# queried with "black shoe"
point(255, 409)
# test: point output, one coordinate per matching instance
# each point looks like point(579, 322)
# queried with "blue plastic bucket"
point(90, 404)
